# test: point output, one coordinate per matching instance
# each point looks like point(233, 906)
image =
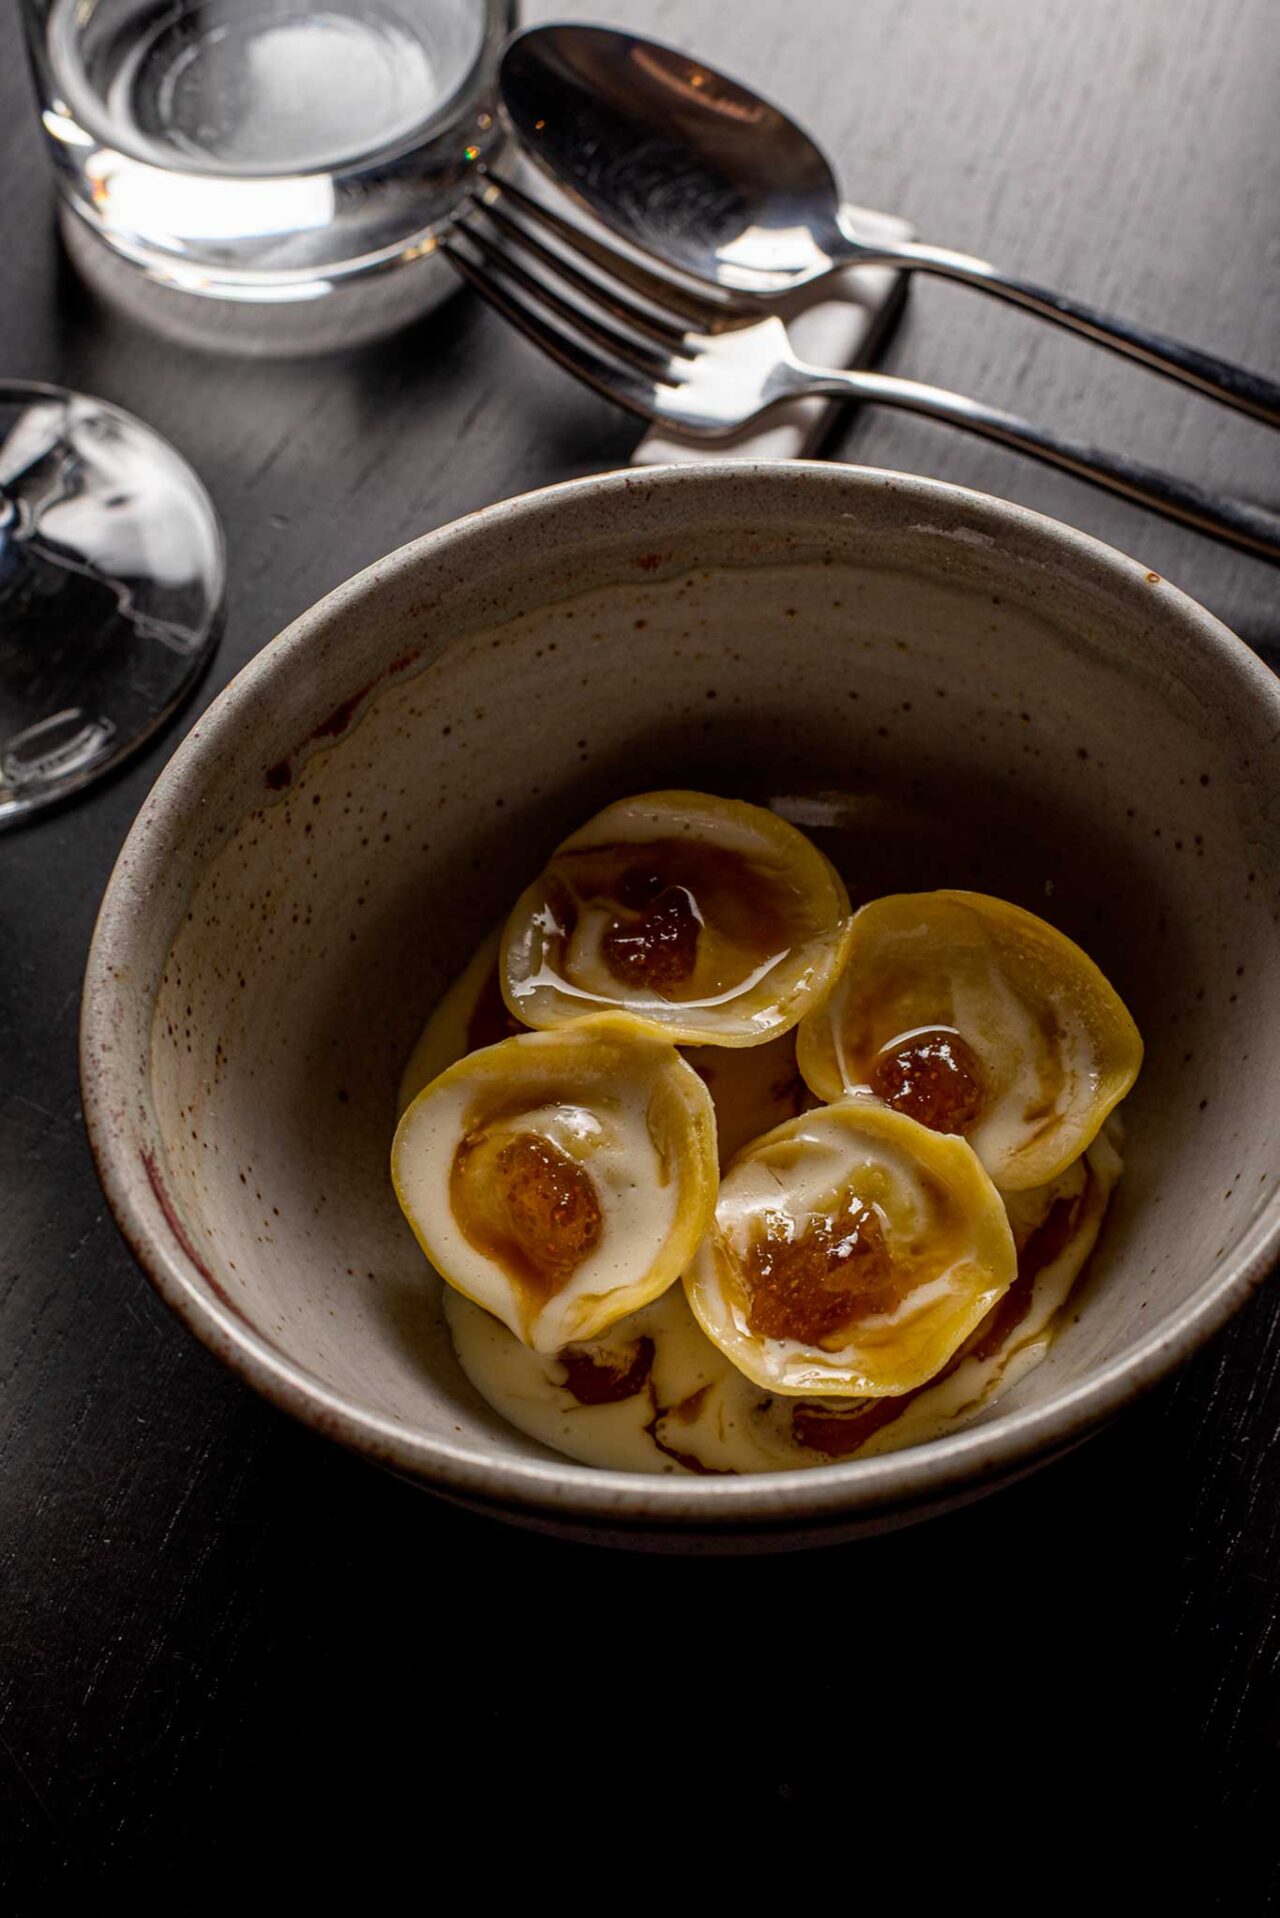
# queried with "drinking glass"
point(263, 156)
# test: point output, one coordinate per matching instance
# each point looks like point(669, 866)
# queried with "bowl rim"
point(552, 1489)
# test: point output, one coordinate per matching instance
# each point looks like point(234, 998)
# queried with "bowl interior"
point(935, 685)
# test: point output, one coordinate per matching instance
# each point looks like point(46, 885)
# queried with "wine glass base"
point(111, 590)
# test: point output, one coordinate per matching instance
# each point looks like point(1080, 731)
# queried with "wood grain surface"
point(234, 1652)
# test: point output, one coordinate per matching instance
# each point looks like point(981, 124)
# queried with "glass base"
point(111, 589)
point(286, 320)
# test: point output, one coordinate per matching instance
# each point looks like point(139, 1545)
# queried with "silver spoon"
point(703, 174)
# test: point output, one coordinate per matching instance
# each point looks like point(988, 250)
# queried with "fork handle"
point(1237, 521)
point(1222, 380)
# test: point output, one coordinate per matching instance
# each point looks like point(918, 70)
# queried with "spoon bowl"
point(688, 164)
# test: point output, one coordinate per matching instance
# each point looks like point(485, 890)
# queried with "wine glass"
point(111, 589)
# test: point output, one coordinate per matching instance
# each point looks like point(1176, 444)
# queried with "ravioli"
point(853, 1251)
point(560, 1179)
point(976, 1018)
point(712, 920)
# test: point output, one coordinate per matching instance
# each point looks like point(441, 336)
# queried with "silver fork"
point(655, 347)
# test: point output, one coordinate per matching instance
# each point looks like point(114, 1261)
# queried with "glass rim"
point(83, 103)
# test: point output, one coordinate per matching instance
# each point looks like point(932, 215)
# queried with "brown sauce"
point(1047, 1243)
point(814, 1287)
point(838, 1434)
point(935, 1078)
point(661, 896)
point(658, 949)
point(528, 1206)
point(688, 1410)
point(689, 1460)
point(606, 1378)
point(1042, 1113)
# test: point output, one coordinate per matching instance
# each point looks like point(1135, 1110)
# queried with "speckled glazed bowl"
point(983, 698)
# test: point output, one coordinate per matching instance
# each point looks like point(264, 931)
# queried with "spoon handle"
point(1238, 522)
point(1221, 379)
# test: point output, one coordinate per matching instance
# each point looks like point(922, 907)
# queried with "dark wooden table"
point(222, 1631)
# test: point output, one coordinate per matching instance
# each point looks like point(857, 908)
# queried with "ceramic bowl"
point(977, 695)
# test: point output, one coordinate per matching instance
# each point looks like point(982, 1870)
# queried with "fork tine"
point(655, 323)
point(642, 351)
point(662, 290)
point(493, 279)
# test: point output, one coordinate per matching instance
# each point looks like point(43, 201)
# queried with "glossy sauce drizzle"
point(657, 949)
point(528, 1206)
point(933, 1077)
point(685, 920)
point(813, 1287)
